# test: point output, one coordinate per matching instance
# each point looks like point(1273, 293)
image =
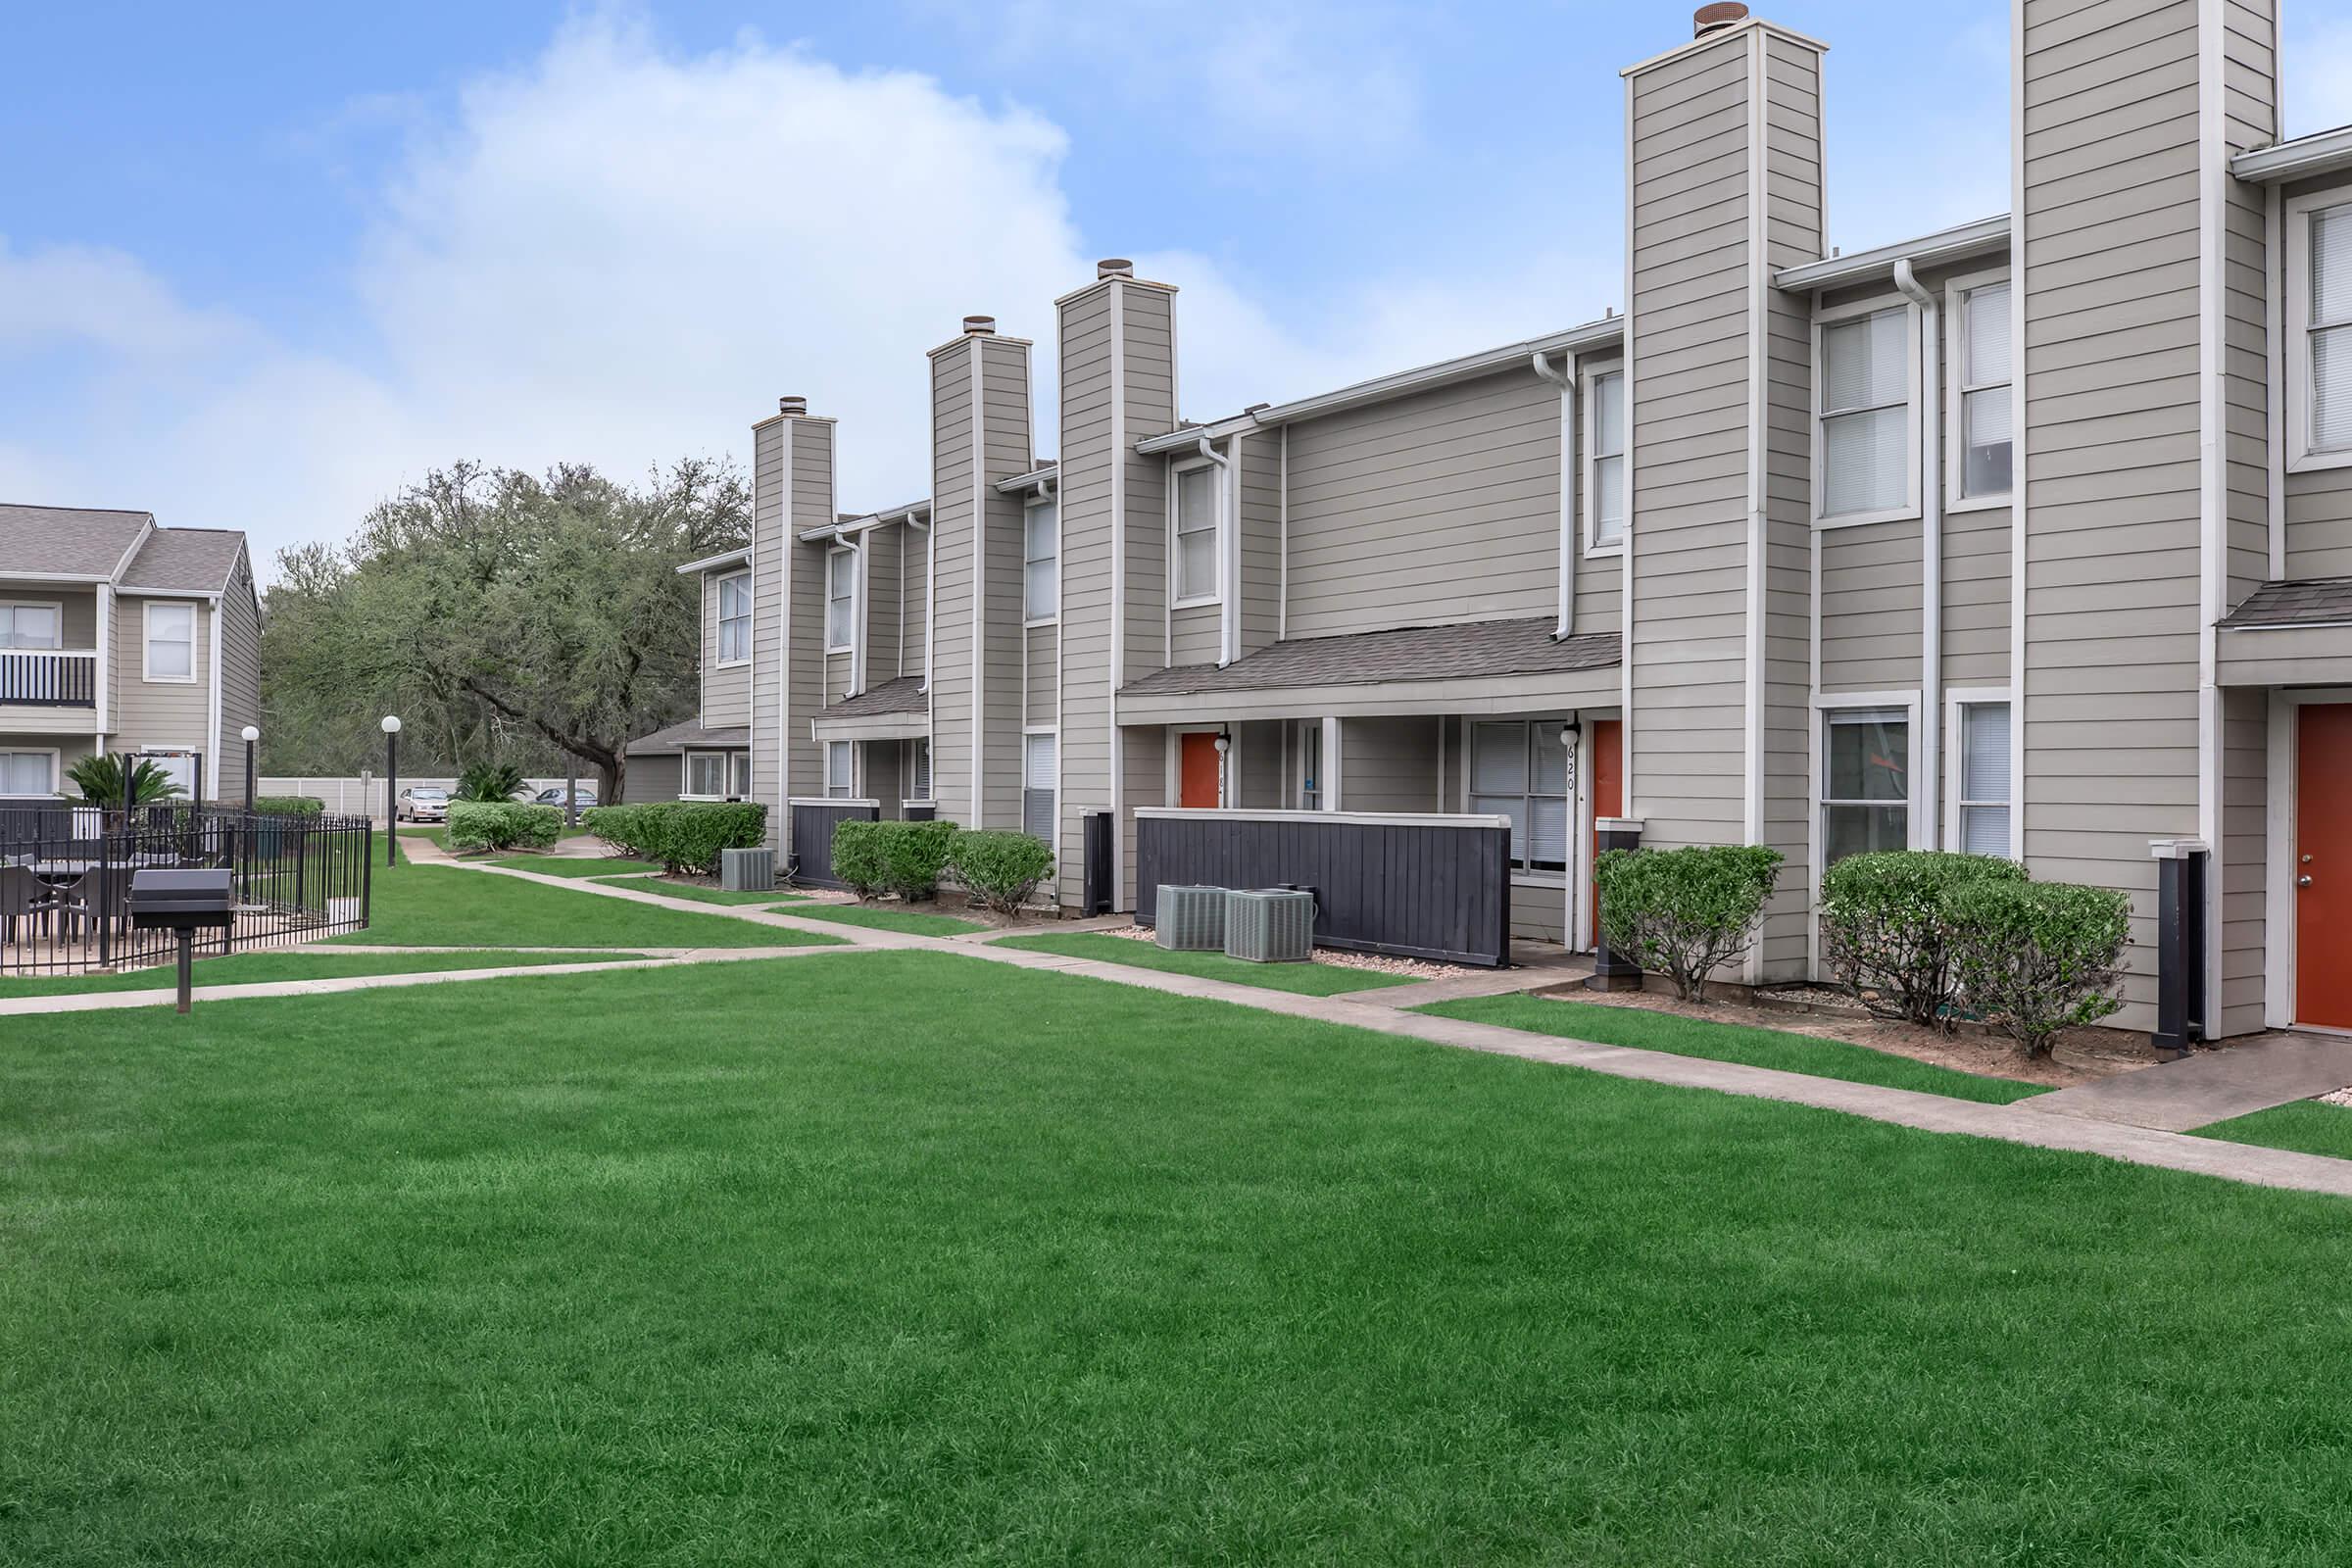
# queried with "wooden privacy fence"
point(1416, 887)
point(813, 819)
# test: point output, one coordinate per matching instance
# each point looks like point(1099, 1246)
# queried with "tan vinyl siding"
point(1261, 779)
point(878, 768)
point(655, 778)
point(1870, 606)
point(1391, 764)
point(1084, 485)
point(1037, 695)
point(1689, 423)
point(2319, 524)
point(1147, 318)
point(166, 715)
point(1975, 597)
point(1192, 634)
point(1436, 507)
point(1600, 579)
point(769, 456)
point(1260, 461)
point(955, 618)
point(2110, 228)
point(838, 685)
point(1006, 433)
point(1539, 912)
point(726, 693)
point(811, 507)
point(2245, 797)
point(884, 560)
point(914, 586)
point(240, 676)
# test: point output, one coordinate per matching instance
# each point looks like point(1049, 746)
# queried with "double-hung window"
point(1041, 562)
point(706, 775)
point(837, 769)
point(1984, 779)
point(735, 619)
point(1195, 534)
point(1982, 407)
point(1037, 786)
point(1521, 772)
point(2320, 303)
point(841, 599)
point(1866, 781)
point(919, 769)
point(30, 626)
point(1605, 468)
point(28, 774)
point(171, 642)
point(1865, 436)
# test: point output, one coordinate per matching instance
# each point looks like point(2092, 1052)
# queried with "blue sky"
point(261, 263)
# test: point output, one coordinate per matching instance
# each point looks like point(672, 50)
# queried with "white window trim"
point(1589, 454)
point(2300, 459)
point(1824, 703)
point(1525, 876)
point(1217, 534)
point(726, 774)
point(55, 606)
point(1030, 732)
point(147, 641)
point(718, 619)
point(825, 773)
point(1823, 320)
point(57, 764)
point(1955, 421)
point(1031, 505)
point(1956, 756)
point(832, 647)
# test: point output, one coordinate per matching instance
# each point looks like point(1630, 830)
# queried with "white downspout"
point(1930, 540)
point(1229, 555)
point(1565, 380)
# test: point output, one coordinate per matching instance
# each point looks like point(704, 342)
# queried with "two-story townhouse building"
point(117, 635)
point(2025, 537)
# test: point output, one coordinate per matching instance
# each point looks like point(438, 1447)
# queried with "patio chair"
point(21, 895)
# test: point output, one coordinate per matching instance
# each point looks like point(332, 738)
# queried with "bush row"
point(682, 835)
point(503, 826)
point(1003, 869)
point(1915, 934)
point(288, 806)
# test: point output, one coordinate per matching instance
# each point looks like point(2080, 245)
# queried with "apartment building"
point(117, 635)
point(2029, 537)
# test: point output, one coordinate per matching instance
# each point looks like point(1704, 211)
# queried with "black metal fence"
point(1435, 889)
point(66, 873)
point(813, 824)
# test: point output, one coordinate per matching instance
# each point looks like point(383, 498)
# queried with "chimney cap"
point(979, 326)
point(792, 405)
point(1717, 16)
point(1114, 267)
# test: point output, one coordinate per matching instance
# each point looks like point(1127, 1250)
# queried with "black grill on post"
point(186, 902)
point(1097, 900)
point(2180, 943)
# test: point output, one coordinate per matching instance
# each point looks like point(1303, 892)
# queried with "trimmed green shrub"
point(503, 826)
point(2035, 957)
point(487, 782)
point(857, 857)
point(1685, 914)
point(906, 859)
point(1003, 869)
point(1885, 932)
point(288, 806)
point(682, 835)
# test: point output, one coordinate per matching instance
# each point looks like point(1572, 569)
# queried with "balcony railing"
point(47, 677)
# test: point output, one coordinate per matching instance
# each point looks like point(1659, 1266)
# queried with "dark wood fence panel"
point(813, 825)
point(1416, 890)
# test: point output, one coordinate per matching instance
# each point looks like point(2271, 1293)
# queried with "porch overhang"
point(898, 710)
point(2297, 633)
point(873, 727)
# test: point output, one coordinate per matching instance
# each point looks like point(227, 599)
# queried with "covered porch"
point(876, 746)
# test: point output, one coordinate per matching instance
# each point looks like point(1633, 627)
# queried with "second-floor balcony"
point(48, 677)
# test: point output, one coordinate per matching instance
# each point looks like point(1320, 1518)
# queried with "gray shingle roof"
point(688, 736)
point(2314, 602)
point(66, 541)
point(903, 695)
point(187, 560)
point(1376, 657)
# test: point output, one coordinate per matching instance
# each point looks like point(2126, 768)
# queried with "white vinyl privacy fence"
point(363, 794)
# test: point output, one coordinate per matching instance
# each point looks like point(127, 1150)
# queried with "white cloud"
point(623, 255)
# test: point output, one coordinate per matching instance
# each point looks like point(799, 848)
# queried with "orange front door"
point(1196, 772)
point(1609, 799)
point(2323, 865)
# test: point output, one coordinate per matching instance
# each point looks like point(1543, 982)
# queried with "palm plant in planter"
point(100, 779)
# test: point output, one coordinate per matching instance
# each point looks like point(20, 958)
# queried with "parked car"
point(585, 796)
point(424, 803)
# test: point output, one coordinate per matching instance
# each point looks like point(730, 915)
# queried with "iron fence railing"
point(66, 873)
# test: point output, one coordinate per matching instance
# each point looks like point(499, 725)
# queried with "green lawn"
point(694, 891)
point(315, 962)
point(913, 923)
point(764, 1262)
point(1726, 1041)
point(2306, 1125)
point(441, 906)
point(1308, 979)
point(574, 864)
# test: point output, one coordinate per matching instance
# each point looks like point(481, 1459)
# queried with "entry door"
point(1609, 799)
point(1197, 770)
point(2323, 865)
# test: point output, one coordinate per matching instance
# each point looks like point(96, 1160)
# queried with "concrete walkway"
point(1552, 969)
point(2212, 1085)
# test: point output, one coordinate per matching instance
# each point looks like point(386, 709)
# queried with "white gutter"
point(2322, 154)
point(1983, 237)
point(1931, 531)
point(1229, 557)
point(1565, 380)
point(725, 558)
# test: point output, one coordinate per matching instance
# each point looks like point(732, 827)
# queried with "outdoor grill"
point(185, 901)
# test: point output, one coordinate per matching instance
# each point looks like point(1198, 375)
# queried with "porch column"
point(1330, 764)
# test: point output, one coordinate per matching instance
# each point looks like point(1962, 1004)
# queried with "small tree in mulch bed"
point(2038, 957)
point(1685, 914)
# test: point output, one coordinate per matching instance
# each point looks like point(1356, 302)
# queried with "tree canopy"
point(505, 617)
